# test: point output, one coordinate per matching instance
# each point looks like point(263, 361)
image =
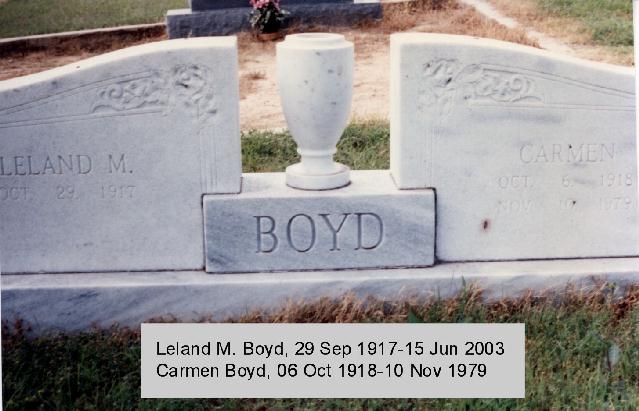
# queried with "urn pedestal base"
point(298, 177)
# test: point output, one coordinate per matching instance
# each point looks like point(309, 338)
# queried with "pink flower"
point(260, 4)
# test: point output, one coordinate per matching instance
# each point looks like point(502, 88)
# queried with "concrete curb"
point(28, 43)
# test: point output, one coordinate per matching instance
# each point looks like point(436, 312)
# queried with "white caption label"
point(333, 361)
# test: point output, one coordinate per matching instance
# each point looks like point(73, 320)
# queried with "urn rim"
point(315, 40)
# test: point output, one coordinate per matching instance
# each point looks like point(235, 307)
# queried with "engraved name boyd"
point(269, 228)
point(300, 232)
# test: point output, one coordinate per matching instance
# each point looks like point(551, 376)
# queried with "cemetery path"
point(546, 42)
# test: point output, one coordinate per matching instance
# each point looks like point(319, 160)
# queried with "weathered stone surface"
point(186, 23)
point(332, 14)
point(103, 163)
point(532, 155)
point(199, 5)
point(272, 227)
point(181, 23)
point(73, 302)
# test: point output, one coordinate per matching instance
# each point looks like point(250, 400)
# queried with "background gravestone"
point(211, 17)
point(199, 5)
point(532, 155)
point(103, 163)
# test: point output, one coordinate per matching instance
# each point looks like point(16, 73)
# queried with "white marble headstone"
point(104, 162)
point(532, 155)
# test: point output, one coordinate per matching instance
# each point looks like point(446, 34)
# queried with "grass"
point(364, 146)
point(582, 353)
point(609, 22)
point(27, 17)
point(597, 29)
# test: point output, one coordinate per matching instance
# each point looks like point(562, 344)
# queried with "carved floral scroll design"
point(185, 85)
point(446, 81)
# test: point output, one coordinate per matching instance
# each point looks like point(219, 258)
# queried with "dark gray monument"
point(201, 5)
point(224, 17)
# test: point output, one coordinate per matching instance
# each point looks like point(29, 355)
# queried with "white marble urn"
point(315, 81)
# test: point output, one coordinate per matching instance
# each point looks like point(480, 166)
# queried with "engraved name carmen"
point(62, 164)
point(300, 232)
point(567, 153)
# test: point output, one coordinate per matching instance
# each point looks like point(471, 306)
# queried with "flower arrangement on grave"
point(267, 16)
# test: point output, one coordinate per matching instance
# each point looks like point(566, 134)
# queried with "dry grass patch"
point(449, 17)
point(468, 306)
point(20, 61)
point(466, 21)
point(404, 16)
point(255, 75)
point(248, 82)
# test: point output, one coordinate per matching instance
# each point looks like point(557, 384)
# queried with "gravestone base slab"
point(75, 302)
point(183, 23)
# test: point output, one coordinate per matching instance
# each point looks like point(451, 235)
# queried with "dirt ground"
point(259, 101)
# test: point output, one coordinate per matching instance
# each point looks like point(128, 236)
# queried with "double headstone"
point(131, 162)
